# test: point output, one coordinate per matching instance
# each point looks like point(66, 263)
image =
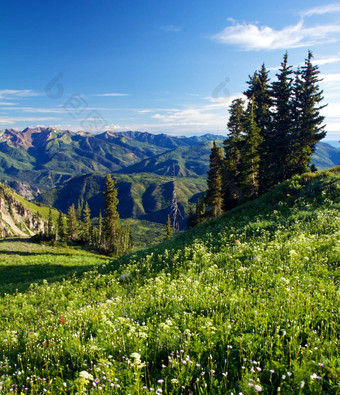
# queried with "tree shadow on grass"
point(15, 278)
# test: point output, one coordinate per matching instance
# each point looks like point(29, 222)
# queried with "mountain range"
point(44, 158)
point(61, 167)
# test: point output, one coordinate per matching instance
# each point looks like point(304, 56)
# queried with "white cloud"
point(253, 37)
point(250, 36)
point(12, 120)
point(5, 93)
point(37, 110)
point(328, 60)
point(325, 9)
point(112, 94)
point(7, 104)
point(330, 78)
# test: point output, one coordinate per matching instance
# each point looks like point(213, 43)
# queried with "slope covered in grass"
point(246, 303)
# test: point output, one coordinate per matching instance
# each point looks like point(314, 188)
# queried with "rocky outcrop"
point(15, 218)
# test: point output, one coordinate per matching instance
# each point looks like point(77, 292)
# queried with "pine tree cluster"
point(107, 236)
point(272, 135)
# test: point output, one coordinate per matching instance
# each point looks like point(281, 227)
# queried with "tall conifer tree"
point(232, 153)
point(308, 121)
point(61, 226)
point(260, 94)
point(168, 229)
point(87, 224)
point(215, 174)
point(279, 141)
point(250, 156)
point(111, 225)
point(72, 223)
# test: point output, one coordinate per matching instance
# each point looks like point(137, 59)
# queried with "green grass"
point(144, 233)
point(23, 263)
point(246, 303)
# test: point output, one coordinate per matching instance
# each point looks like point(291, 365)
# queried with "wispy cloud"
point(5, 93)
point(250, 36)
point(112, 94)
point(325, 9)
point(170, 28)
point(12, 120)
point(37, 110)
point(7, 103)
point(331, 79)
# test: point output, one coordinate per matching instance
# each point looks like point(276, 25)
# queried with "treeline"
point(272, 135)
point(107, 236)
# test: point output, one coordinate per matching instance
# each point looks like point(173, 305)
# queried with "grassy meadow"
point(244, 304)
point(23, 263)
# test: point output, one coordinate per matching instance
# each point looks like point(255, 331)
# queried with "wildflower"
point(315, 376)
point(258, 388)
point(161, 381)
point(302, 384)
point(271, 371)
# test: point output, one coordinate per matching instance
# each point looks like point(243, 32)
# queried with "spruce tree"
point(87, 225)
point(214, 193)
point(168, 229)
point(61, 226)
point(260, 94)
point(232, 153)
point(250, 156)
point(279, 141)
point(308, 121)
point(111, 226)
point(72, 223)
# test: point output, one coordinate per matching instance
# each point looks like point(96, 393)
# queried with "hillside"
point(245, 303)
point(326, 156)
point(19, 217)
point(143, 196)
point(181, 162)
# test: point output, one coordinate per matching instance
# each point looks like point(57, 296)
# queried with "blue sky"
point(154, 65)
